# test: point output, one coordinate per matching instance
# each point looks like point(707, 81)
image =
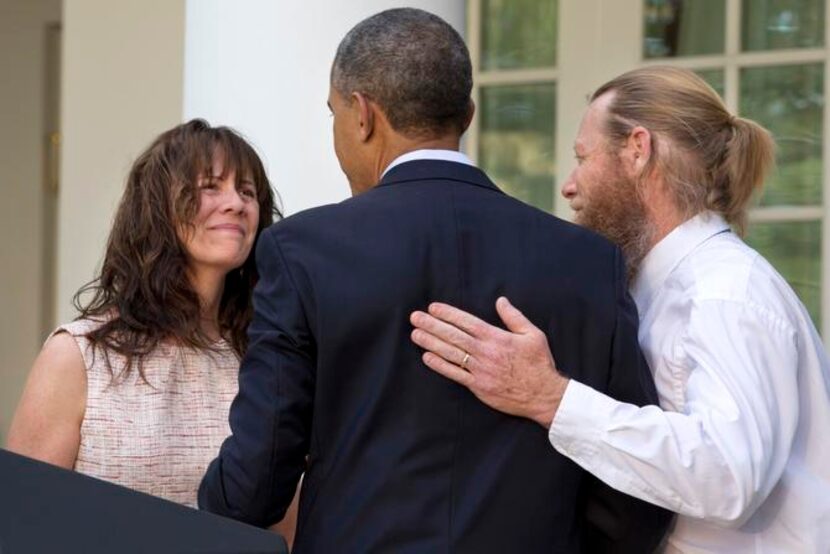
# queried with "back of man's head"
point(710, 159)
point(414, 65)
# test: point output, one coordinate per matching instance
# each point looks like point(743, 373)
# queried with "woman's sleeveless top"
point(157, 436)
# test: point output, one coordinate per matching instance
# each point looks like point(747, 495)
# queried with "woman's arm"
point(47, 423)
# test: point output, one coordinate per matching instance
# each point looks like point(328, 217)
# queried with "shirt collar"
point(670, 251)
point(428, 154)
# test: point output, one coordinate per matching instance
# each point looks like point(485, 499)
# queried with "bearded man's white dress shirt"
point(742, 450)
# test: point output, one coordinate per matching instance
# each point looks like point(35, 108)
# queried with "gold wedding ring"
point(465, 360)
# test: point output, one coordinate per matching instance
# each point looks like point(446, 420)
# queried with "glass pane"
point(789, 101)
point(776, 24)
point(715, 78)
point(794, 249)
point(683, 27)
point(518, 33)
point(516, 140)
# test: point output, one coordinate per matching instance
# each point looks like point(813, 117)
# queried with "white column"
point(597, 41)
point(262, 67)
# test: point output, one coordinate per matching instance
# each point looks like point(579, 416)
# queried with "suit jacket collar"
point(427, 170)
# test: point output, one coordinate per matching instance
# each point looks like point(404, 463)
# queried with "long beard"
point(617, 211)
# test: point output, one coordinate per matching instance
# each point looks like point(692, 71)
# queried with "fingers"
point(448, 370)
point(462, 320)
point(443, 331)
point(512, 317)
point(433, 344)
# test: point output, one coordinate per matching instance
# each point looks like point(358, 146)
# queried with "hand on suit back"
point(512, 371)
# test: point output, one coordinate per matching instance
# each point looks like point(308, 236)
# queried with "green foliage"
point(782, 24)
point(516, 140)
point(794, 249)
point(519, 33)
point(789, 101)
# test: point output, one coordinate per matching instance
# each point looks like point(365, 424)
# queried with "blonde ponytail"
point(749, 156)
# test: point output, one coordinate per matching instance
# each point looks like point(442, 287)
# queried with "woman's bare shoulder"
point(47, 422)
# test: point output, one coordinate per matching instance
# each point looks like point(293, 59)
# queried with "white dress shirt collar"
point(428, 154)
point(670, 251)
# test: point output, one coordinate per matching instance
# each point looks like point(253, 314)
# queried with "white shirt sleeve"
point(719, 457)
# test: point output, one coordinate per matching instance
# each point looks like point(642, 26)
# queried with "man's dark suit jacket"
point(396, 457)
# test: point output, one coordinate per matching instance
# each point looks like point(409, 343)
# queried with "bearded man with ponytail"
point(740, 445)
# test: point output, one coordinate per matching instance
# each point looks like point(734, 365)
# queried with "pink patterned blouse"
point(157, 436)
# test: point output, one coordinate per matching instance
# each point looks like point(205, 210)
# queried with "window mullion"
point(471, 137)
point(731, 70)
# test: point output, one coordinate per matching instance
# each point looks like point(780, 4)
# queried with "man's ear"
point(638, 151)
point(365, 115)
point(471, 110)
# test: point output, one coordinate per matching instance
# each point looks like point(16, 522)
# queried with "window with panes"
point(766, 58)
point(515, 63)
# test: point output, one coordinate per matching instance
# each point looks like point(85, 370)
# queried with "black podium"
point(48, 509)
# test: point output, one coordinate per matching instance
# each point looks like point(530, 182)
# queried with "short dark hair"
point(413, 64)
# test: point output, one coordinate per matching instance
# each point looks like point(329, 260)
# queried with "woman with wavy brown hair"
point(137, 390)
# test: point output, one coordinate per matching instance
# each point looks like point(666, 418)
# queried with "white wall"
point(262, 67)
point(23, 26)
point(122, 86)
point(597, 41)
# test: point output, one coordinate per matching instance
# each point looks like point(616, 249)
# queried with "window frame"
point(598, 39)
point(500, 77)
point(731, 62)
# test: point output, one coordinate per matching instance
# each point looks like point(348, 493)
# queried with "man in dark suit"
point(398, 458)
